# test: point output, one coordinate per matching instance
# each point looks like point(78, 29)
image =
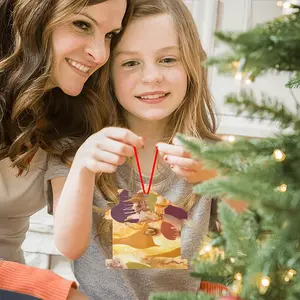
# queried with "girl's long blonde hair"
point(195, 116)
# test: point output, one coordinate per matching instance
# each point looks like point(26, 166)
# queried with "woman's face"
point(81, 44)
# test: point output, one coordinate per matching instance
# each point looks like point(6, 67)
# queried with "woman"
point(50, 53)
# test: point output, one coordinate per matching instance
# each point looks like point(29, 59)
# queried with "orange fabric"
point(214, 289)
point(42, 284)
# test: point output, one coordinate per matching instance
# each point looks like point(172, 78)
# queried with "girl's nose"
point(152, 74)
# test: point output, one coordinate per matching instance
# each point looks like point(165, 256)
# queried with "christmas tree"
point(257, 254)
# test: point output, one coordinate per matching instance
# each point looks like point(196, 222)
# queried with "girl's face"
point(81, 45)
point(149, 78)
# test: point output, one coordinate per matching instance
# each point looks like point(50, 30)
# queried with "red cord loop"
point(140, 172)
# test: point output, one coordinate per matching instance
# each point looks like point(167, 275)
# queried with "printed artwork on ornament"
point(146, 231)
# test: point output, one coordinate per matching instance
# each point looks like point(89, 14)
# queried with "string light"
point(286, 5)
point(289, 275)
point(278, 155)
point(282, 188)
point(238, 76)
point(207, 248)
point(236, 286)
point(232, 260)
point(264, 284)
point(248, 81)
point(236, 64)
point(238, 276)
point(279, 3)
point(231, 138)
point(265, 281)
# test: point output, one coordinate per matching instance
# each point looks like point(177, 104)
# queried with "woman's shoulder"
point(37, 165)
point(22, 195)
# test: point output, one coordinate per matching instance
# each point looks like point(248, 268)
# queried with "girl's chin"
point(154, 116)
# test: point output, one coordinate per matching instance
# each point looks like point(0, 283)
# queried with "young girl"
point(144, 227)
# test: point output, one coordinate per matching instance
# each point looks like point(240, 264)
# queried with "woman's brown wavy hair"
point(31, 116)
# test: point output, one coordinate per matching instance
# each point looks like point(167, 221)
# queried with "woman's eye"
point(130, 64)
point(110, 35)
point(82, 25)
point(168, 60)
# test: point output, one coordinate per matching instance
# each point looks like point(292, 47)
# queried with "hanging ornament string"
point(140, 172)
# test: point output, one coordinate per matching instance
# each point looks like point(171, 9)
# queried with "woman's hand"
point(183, 164)
point(105, 150)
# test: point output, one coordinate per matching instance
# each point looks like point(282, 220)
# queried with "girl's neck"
point(149, 129)
point(153, 132)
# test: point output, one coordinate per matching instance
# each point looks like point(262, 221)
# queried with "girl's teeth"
point(153, 96)
point(78, 66)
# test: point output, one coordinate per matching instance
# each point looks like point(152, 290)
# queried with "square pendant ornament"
point(146, 231)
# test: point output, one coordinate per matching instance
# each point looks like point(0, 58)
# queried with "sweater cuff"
point(42, 284)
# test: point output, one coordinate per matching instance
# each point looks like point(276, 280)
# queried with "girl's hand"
point(105, 150)
point(183, 164)
point(192, 170)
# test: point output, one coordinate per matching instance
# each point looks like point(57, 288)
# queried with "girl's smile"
point(153, 97)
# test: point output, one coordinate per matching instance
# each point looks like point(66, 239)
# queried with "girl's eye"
point(168, 60)
point(84, 26)
point(130, 64)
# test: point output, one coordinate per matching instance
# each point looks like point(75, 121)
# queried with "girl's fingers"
point(123, 135)
point(182, 172)
point(100, 167)
point(172, 150)
point(116, 147)
point(182, 162)
point(108, 157)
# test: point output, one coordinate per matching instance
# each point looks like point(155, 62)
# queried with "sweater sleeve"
point(55, 168)
point(42, 284)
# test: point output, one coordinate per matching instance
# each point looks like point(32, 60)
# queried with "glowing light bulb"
point(286, 5)
point(278, 155)
point(238, 276)
point(231, 138)
point(238, 76)
point(265, 281)
point(290, 274)
point(282, 188)
point(207, 248)
point(248, 81)
point(279, 3)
